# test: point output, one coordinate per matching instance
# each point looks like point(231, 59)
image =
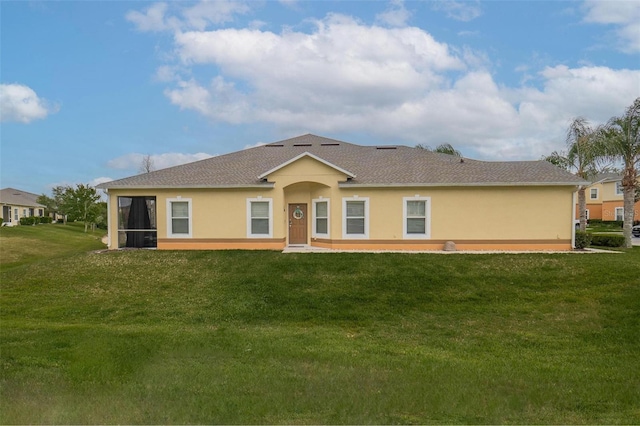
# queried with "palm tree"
point(581, 158)
point(444, 148)
point(620, 140)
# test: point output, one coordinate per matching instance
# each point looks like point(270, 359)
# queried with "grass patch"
point(262, 337)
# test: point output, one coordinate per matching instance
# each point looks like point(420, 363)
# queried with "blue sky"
point(88, 88)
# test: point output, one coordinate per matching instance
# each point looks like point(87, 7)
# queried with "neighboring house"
point(314, 191)
point(16, 204)
point(605, 200)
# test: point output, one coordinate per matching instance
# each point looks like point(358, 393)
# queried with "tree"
point(444, 148)
point(48, 203)
point(620, 139)
point(79, 203)
point(146, 165)
point(581, 158)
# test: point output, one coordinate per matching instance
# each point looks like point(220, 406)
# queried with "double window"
point(320, 227)
point(355, 222)
point(619, 188)
point(259, 218)
point(179, 218)
point(620, 213)
point(593, 195)
point(416, 217)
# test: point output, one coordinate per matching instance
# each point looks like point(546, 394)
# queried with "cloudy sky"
point(89, 88)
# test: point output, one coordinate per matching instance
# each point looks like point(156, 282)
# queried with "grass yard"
point(232, 337)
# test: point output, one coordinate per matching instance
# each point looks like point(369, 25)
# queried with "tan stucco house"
point(605, 199)
point(16, 204)
point(314, 191)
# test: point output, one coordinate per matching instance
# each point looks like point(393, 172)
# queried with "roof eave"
point(268, 185)
point(454, 184)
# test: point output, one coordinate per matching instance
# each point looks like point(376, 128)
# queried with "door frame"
point(290, 210)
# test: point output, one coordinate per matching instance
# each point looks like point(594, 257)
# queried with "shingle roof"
point(18, 198)
point(371, 165)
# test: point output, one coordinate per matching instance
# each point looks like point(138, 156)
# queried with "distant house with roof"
point(319, 192)
point(17, 204)
point(605, 199)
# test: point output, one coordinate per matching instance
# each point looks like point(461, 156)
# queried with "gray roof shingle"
point(17, 197)
point(371, 165)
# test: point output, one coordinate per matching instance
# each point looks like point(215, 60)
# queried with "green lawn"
point(263, 337)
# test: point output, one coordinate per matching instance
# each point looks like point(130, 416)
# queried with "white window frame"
point(260, 200)
point(591, 197)
point(621, 209)
point(364, 236)
point(314, 232)
point(427, 212)
point(619, 188)
point(586, 214)
point(170, 233)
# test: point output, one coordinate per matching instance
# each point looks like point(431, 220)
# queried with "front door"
point(297, 224)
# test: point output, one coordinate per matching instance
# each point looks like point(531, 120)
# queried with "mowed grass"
point(263, 337)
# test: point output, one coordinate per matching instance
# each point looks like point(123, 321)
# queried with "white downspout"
point(573, 218)
point(106, 191)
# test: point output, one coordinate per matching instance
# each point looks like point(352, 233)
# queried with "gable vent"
point(302, 144)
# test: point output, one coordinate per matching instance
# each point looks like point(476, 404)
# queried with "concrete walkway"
point(310, 249)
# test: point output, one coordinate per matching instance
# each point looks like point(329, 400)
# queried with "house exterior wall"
point(475, 218)
point(604, 206)
point(23, 211)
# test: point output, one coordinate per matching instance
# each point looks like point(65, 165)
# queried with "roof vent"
point(386, 147)
point(329, 144)
point(274, 146)
point(302, 144)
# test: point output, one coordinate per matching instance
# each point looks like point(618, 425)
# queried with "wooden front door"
point(297, 224)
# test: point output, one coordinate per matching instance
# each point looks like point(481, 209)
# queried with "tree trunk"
point(629, 194)
point(582, 208)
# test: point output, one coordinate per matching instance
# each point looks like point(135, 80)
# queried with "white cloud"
point(625, 15)
point(198, 17)
point(97, 181)
point(396, 84)
point(396, 14)
point(459, 10)
point(133, 161)
point(153, 19)
point(20, 103)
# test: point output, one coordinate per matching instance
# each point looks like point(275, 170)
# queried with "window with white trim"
point(586, 214)
point(593, 194)
point(259, 218)
point(355, 217)
point(179, 218)
point(416, 217)
point(15, 214)
point(620, 213)
point(619, 188)
point(320, 227)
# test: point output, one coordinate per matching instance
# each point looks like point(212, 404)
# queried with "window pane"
point(415, 208)
point(179, 209)
point(355, 209)
point(355, 226)
point(415, 226)
point(259, 209)
point(321, 226)
point(180, 226)
point(260, 226)
point(321, 209)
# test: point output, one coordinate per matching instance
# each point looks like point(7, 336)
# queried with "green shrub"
point(46, 219)
point(607, 240)
point(583, 239)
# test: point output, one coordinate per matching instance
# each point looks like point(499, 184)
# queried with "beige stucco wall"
point(518, 217)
